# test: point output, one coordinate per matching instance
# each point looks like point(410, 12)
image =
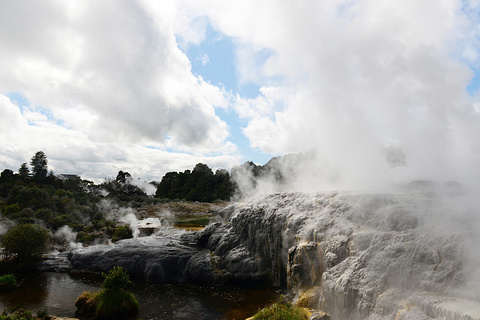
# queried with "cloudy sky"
point(382, 90)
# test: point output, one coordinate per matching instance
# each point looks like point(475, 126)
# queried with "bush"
point(87, 303)
point(121, 232)
point(43, 313)
point(116, 279)
point(25, 243)
point(116, 305)
point(281, 311)
point(19, 314)
point(7, 282)
point(113, 301)
point(85, 238)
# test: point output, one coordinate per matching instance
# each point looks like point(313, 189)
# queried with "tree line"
point(36, 200)
point(201, 184)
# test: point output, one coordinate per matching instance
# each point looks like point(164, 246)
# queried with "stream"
point(57, 292)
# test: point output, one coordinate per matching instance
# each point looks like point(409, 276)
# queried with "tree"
point(116, 279)
point(123, 176)
point(23, 171)
point(25, 243)
point(39, 166)
point(6, 175)
point(197, 185)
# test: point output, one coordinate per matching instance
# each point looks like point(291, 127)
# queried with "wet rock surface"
point(370, 256)
point(148, 258)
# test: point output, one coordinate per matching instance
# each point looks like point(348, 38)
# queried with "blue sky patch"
point(23, 104)
point(474, 85)
point(214, 60)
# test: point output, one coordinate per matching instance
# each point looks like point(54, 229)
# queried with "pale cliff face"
point(381, 256)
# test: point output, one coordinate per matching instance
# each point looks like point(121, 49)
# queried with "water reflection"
point(57, 293)
point(35, 293)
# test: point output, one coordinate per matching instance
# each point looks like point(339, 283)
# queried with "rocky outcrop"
point(148, 258)
point(368, 255)
point(392, 256)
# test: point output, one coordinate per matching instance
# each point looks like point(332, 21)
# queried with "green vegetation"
point(281, 310)
point(87, 303)
point(35, 196)
point(21, 314)
point(113, 301)
point(24, 243)
point(42, 313)
point(116, 280)
point(197, 185)
point(7, 282)
point(121, 232)
point(39, 166)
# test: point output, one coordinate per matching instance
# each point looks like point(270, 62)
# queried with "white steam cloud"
point(5, 225)
point(145, 186)
point(378, 89)
point(131, 220)
point(67, 236)
point(117, 213)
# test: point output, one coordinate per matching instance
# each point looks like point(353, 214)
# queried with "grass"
point(42, 313)
point(87, 303)
point(20, 314)
point(113, 301)
point(107, 304)
point(7, 282)
point(281, 311)
point(116, 305)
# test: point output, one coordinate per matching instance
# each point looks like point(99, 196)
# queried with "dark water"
point(57, 293)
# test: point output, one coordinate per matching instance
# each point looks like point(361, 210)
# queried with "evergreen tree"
point(24, 171)
point(39, 166)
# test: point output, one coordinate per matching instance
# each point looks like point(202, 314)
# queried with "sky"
point(382, 91)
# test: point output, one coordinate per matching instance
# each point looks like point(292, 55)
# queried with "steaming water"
point(57, 293)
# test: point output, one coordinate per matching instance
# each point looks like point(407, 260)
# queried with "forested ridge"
point(34, 195)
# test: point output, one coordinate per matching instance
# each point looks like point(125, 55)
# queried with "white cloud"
point(72, 151)
point(112, 60)
point(354, 78)
point(111, 79)
point(348, 78)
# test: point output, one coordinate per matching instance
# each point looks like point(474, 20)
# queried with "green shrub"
point(19, 314)
point(116, 279)
point(113, 301)
point(60, 221)
point(11, 209)
point(87, 303)
point(42, 313)
point(44, 214)
point(281, 311)
point(7, 282)
point(121, 232)
point(25, 243)
point(116, 305)
point(85, 238)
